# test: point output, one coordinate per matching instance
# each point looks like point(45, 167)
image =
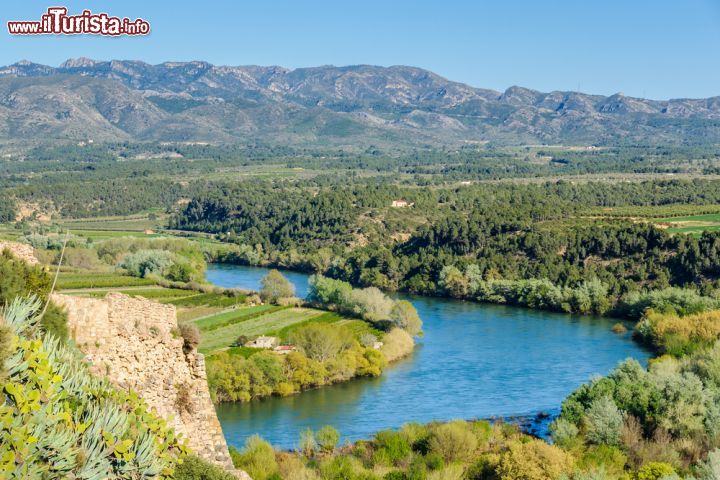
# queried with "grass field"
point(207, 299)
point(68, 281)
point(233, 316)
point(265, 324)
point(162, 295)
point(194, 313)
point(710, 217)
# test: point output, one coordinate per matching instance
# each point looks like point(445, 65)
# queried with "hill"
point(337, 106)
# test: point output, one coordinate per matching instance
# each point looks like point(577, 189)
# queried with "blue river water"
point(474, 361)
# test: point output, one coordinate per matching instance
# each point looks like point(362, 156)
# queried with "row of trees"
point(370, 304)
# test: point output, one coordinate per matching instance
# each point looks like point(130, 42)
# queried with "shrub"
point(191, 335)
point(397, 344)
point(619, 328)
point(184, 398)
point(54, 322)
point(453, 441)
point(655, 471)
point(367, 339)
point(371, 304)
point(604, 421)
point(393, 445)
point(451, 472)
point(610, 460)
point(710, 468)
point(342, 468)
point(680, 335)
point(404, 315)
point(195, 468)
point(146, 262)
point(484, 468)
point(414, 433)
point(79, 258)
point(275, 286)
point(290, 467)
point(180, 272)
point(320, 341)
point(533, 460)
point(307, 442)
point(257, 458)
point(564, 433)
point(327, 437)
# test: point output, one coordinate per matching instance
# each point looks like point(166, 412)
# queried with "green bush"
point(655, 471)
point(564, 433)
point(54, 322)
point(327, 437)
point(604, 422)
point(275, 287)
point(195, 468)
point(257, 458)
point(393, 445)
point(453, 441)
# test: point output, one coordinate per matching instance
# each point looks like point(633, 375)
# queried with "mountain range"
point(358, 105)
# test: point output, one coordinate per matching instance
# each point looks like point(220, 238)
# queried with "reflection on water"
point(475, 361)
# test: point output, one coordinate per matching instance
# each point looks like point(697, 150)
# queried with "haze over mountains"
point(338, 106)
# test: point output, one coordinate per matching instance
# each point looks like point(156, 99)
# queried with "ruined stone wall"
point(134, 343)
point(20, 251)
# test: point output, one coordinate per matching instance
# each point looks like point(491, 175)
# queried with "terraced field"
point(74, 281)
point(270, 324)
point(225, 319)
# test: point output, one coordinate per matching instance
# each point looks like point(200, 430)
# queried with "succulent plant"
point(57, 420)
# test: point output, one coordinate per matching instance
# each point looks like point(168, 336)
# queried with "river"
point(475, 361)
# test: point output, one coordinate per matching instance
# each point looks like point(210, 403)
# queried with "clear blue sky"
point(654, 48)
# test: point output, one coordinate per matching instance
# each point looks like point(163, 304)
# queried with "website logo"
point(57, 22)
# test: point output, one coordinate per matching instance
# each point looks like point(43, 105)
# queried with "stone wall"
point(19, 250)
point(134, 343)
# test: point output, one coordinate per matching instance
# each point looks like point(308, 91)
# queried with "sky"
point(656, 49)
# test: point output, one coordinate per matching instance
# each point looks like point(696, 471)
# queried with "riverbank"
point(287, 349)
point(589, 298)
point(473, 361)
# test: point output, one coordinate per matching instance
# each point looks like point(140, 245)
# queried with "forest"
point(535, 245)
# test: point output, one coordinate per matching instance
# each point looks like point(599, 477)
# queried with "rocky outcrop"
point(20, 251)
point(135, 343)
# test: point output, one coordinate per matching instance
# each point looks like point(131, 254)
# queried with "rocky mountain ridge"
point(353, 105)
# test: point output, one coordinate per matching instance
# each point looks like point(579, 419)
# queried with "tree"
point(406, 317)
point(275, 286)
point(371, 304)
point(327, 437)
point(145, 262)
point(453, 281)
point(320, 341)
point(605, 422)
